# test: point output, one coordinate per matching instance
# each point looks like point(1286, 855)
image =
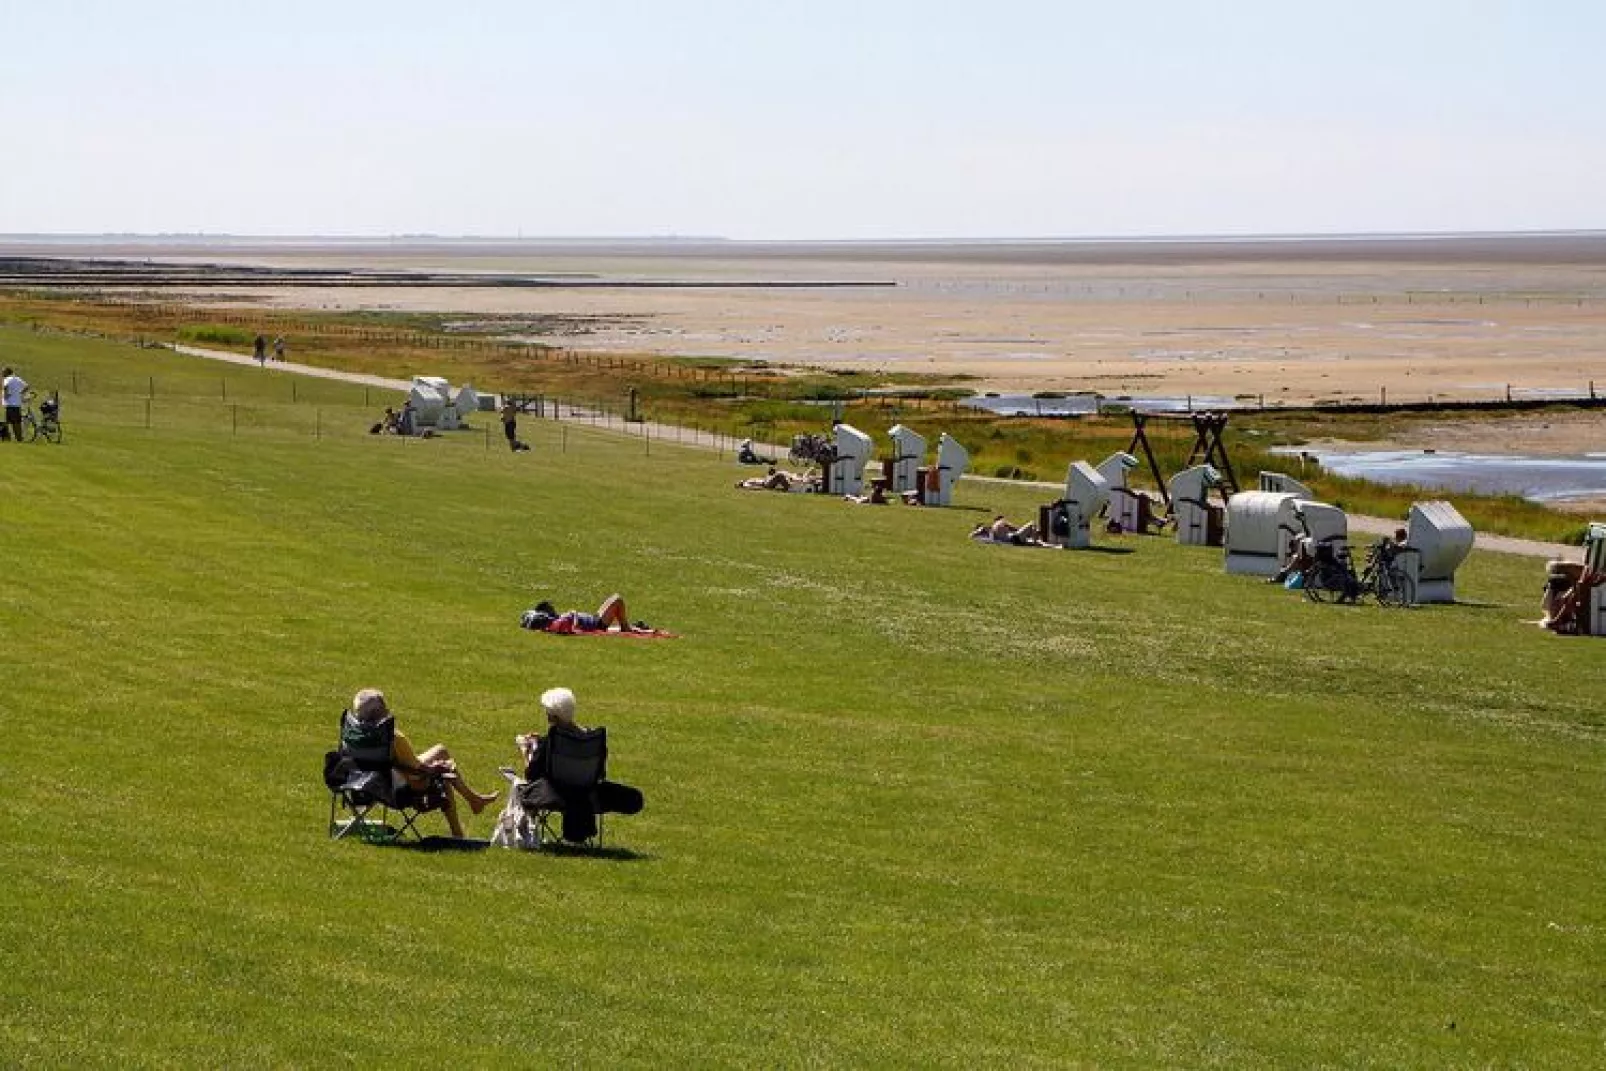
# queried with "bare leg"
point(453, 822)
point(612, 612)
point(455, 782)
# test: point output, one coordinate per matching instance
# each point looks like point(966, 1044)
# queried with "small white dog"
point(515, 827)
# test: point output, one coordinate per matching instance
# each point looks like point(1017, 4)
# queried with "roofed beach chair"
point(937, 486)
point(1259, 531)
point(908, 451)
point(1086, 493)
point(844, 475)
point(362, 778)
point(1441, 539)
point(1130, 509)
point(1200, 522)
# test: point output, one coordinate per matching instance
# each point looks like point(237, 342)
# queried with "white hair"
point(368, 704)
point(559, 705)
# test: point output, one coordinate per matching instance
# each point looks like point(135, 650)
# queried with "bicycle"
point(47, 424)
point(1385, 578)
point(1331, 577)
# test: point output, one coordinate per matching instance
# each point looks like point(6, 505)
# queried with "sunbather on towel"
point(999, 530)
point(876, 497)
point(610, 615)
point(774, 480)
point(369, 706)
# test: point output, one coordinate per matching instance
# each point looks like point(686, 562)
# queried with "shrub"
point(217, 334)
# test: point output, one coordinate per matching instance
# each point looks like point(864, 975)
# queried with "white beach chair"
point(1438, 539)
point(430, 396)
point(1595, 561)
point(845, 475)
point(908, 451)
point(1257, 532)
point(1132, 510)
point(1199, 522)
point(1320, 522)
point(1086, 493)
point(952, 461)
point(1276, 481)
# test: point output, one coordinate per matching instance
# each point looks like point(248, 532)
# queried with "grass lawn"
point(911, 801)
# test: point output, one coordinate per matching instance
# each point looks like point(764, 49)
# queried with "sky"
point(801, 119)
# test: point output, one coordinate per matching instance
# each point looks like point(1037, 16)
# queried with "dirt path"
point(682, 436)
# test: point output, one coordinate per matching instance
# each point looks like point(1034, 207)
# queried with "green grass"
point(745, 399)
point(911, 801)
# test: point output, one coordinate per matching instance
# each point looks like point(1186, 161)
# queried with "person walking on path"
point(510, 423)
point(278, 348)
point(259, 350)
point(14, 387)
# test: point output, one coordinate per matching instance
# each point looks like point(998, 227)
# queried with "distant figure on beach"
point(14, 388)
point(259, 350)
point(278, 348)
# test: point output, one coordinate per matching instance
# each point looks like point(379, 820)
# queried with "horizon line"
point(686, 239)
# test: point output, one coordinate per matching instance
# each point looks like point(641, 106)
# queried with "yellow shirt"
point(403, 755)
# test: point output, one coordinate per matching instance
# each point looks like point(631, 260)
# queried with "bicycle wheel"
point(51, 430)
point(1401, 589)
point(30, 429)
point(1372, 582)
point(1317, 586)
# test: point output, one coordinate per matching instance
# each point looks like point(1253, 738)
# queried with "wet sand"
point(1288, 321)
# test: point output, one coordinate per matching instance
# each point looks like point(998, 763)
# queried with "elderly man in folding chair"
point(564, 777)
point(419, 781)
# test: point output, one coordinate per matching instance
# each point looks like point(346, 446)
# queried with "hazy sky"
point(806, 119)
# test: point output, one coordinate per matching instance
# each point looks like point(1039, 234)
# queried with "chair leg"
point(359, 818)
point(409, 819)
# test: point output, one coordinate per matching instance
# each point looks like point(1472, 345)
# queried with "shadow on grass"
point(443, 844)
point(609, 853)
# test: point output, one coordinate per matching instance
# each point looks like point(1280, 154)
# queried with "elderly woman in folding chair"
point(546, 792)
point(369, 706)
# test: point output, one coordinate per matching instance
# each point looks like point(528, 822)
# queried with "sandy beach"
point(1273, 321)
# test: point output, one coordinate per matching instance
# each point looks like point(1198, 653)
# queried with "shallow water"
point(1084, 404)
point(1542, 479)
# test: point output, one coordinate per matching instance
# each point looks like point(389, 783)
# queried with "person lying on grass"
point(879, 496)
point(999, 530)
point(415, 769)
point(611, 615)
point(774, 480)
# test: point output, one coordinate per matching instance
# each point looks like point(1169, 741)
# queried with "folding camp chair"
point(360, 777)
point(560, 793)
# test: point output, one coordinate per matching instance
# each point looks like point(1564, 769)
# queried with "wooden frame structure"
point(1208, 448)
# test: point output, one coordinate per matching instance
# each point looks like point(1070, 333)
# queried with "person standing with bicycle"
point(13, 387)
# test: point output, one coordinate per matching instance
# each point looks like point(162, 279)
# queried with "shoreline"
point(1309, 321)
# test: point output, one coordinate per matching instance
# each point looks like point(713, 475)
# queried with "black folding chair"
point(560, 791)
point(360, 777)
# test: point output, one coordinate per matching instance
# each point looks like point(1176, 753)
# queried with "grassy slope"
point(911, 801)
